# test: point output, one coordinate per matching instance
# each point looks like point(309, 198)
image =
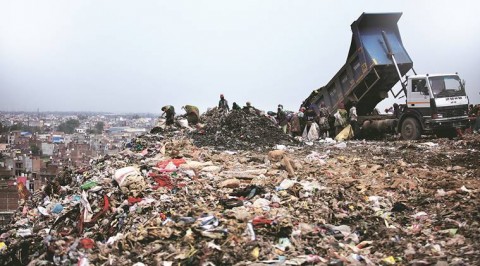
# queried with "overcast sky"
point(136, 56)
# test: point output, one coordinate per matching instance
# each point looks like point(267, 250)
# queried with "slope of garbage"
point(167, 200)
point(239, 130)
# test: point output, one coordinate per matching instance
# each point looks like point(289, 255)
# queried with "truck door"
point(418, 97)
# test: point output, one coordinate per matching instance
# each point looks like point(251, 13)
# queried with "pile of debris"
point(239, 130)
point(165, 201)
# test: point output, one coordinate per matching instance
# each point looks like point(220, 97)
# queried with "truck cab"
point(435, 104)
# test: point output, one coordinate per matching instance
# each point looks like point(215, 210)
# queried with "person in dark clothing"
point(331, 125)
point(311, 129)
point(301, 118)
point(472, 117)
point(169, 111)
point(323, 120)
point(340, 118)
point(223, 104)
point(396, 110)
point(471, 112)
point(235, 106)
point(282, 118)
point(477, 121)
point(192, 114)
point(354, 120)
point(310, 116)
point(295, 128)
point(249, 109)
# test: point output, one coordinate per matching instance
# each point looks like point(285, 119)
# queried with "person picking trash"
point(169, 111)
point(192, 114)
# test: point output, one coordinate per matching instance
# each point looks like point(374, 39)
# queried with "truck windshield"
point(446, 86)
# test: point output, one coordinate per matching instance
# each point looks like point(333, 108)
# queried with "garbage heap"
point(165, 201)
point(239, 130)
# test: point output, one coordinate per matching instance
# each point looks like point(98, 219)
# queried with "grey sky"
point(136, 56)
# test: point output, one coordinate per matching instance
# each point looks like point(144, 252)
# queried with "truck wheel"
point(410, 129)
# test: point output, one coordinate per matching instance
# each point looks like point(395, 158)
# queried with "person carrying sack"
point(354, 121)
point(192, 114)
point(340, 119)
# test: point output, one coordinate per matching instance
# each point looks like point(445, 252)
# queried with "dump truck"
point(376, 62)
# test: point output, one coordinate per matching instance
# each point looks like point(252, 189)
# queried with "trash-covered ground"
point(166, 201)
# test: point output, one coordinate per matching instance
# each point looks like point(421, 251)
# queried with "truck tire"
point(410, 129)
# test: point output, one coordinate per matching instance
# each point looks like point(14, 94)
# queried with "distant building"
point(120, 130)
point(58, 139)
point(49, 171)
point(8, 200)
point(81, 130)
point(3, 147)
point(19, 168)
point(47, 148)
point(25, 134)
point(6, 171)
point(43, 137)
point(116, 130)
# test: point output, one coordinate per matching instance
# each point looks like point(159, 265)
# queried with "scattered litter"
point(341, 145)
point(240, 192)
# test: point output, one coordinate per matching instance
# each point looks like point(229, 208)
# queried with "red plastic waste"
point(163, 216)
point(81, 223)
point(162, 181)
point(176, 162)
point(87, 243)
point(132, 200)
point(260, 220)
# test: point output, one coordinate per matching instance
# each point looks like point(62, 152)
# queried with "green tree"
point(21, 127)
point(35, 150)
point(69, 126)
point(16, 127)
point(99, 127)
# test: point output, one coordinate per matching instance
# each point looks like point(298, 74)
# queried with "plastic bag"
point(346, 133)
point(161, 123)
point(122, 174)
point(183, 123)
point(311, 134)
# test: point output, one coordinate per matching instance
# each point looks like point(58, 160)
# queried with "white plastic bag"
point(161, 122)
point(183, 123)
point(122, 174)
point(311, 134)
point(286, 184)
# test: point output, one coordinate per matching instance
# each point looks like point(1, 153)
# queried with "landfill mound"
point(165, 201)
point(239, 130)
